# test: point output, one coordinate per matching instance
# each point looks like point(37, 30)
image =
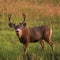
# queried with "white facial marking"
point(19, 32)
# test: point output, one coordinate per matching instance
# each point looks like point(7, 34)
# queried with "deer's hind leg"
point(42, 45)
point(50, 42)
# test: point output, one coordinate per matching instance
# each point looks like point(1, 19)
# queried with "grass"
point(12, 49)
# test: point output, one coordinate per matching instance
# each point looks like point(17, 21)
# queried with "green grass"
point(12, 49)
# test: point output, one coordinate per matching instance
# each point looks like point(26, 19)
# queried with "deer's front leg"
point(25, 48)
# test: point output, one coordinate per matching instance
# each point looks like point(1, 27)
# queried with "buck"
point(28, 35)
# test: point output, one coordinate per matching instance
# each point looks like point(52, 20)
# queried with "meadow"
point(38, 12)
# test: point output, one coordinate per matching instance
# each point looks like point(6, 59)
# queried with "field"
point(38, 12)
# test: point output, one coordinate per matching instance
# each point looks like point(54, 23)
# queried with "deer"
point(28, 35)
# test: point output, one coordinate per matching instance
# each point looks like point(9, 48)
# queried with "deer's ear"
point(11, 25)
point(24, 24)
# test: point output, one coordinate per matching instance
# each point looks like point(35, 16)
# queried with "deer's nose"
point(17, 30)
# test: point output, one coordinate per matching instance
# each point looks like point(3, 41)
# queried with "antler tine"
point(24, 17)
point(9, 17)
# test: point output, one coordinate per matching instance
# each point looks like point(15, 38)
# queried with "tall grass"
point(30, 7)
